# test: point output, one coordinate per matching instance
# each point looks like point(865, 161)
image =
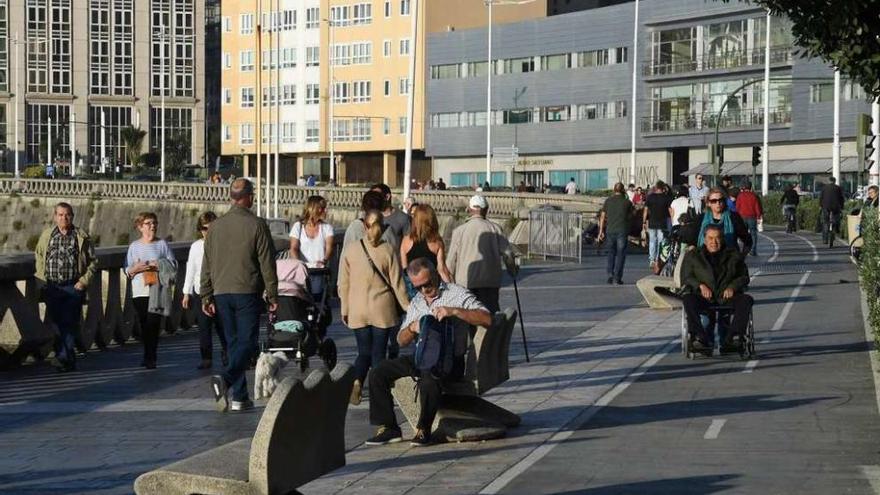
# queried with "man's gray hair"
point(240, 188)
point(417, 265)
point(63, 205)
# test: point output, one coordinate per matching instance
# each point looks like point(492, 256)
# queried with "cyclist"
point(790, 201)
point(831, 202)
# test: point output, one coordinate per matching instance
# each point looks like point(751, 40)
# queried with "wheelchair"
point(717, 322)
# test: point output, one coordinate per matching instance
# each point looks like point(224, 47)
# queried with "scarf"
point(726, 224)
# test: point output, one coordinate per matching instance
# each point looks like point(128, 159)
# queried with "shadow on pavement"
point(676, 486)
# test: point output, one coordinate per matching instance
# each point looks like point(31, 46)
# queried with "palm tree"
point(133, 139)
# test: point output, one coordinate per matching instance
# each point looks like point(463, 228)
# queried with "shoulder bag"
point(400, 310)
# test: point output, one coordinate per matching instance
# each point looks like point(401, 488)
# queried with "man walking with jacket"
point(65, 263)
point(237, 268)
point(831, 202)
point(749, 207)
point(476, 253)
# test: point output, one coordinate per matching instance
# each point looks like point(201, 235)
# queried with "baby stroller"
point(298, 326)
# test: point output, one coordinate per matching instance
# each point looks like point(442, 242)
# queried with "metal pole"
point(410, 100)
point(162, 47)
point(49, 146)
point(277, 107)
point(632, 112)
point(17, 104)
point(490, 69)
point(73, 144)
point(765, 156)
point(332, 128)
point(104, 142)
point(259, 108)
point(522, 327)
point(875, 130)
point(835, 150)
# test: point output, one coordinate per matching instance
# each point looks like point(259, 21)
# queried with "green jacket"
point(732, 272)
point(88, 263)
point(239, 257)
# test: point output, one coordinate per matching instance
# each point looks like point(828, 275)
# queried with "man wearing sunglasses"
point(442, 301)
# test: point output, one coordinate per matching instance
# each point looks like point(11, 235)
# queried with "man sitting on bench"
point(443, 301)
point(715, 275)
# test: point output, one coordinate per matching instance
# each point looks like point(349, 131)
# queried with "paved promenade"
point(608, 403)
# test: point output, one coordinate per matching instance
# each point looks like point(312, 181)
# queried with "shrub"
point(34, 172)
point(808, 211)
point(870, 269)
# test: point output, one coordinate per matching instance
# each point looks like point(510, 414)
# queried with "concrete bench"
point(657, 299)
point(301, 436)
point(463, 415)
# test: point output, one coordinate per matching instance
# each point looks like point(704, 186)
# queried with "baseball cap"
point(478, 201)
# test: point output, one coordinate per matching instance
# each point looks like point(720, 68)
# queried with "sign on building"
point(505, 156)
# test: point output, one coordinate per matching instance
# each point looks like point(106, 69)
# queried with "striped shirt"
point(451, 296)
point(142, 251)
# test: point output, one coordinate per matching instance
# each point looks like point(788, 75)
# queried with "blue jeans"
point(616, 254)
point(371, 344)
point(240, 319)
point(64, 306)
point(655, 238)
point(752, 224)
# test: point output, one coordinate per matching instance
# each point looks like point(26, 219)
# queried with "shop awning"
point(795, 166)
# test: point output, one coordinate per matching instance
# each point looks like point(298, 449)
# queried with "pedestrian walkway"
point(561, 386)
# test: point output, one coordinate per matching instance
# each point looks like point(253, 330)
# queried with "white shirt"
point(312, 250)
point(571, 188)
point(679, 207)
point(193, 280)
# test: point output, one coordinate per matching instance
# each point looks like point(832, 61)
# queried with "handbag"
point(151, 278)
point(400, 310)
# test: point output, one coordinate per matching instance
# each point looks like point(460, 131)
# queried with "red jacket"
point(748, 205)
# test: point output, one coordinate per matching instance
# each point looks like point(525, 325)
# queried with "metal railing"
point(555, 234)
point(706, 121)
point(724, 60)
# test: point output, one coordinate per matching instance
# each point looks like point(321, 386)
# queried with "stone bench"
point(657, 299)
point(301, 436)
point(463, 415)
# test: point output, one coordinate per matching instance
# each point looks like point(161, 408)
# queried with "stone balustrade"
point(448, 202)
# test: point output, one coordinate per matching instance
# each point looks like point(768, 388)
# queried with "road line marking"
point(775, 247)
point(714, 429)
point(788, 305)
point(750, 366)
point(564, 287)
point(566, 431)
point(812, 246)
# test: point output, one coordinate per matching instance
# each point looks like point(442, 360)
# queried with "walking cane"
point(519, 310)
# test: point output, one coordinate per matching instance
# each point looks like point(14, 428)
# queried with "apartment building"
point(562, 94)
point(348, 58)
point(88, 68)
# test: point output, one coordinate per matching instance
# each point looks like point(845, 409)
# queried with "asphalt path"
point(800, 418)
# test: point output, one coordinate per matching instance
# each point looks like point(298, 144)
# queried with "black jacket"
point(791, 197)
point(831, 198)
point(731, 272)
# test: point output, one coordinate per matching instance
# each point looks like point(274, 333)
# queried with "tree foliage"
point(843, 33)
point(133, 139)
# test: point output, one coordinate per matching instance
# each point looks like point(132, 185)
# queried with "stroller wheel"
point(327, 352)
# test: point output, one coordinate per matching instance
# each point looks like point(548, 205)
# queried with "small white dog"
point(266, 373)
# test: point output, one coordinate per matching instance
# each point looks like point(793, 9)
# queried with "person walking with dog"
point(372, 296)
point(65, 263)
point(148, 262)
point(238, 267)
point(208, 325)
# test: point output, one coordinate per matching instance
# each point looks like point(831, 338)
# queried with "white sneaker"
point(240, 406)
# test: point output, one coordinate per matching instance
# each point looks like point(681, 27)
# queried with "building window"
point(403, 86)
point(288, 58)
point(313, 94)
point(269, 95)
point(111, 47)
point(387, 8)
point(246, 60)
point(404, 46)
point(288, 132)
point(288, 94)
point(246, 134)
point(37, 131)
point(340, 92)
point(519, 65)
point(227, 133)
point(178, 127)
point(227, 96)
point(246, 24)
point(313, 56)
point(175, 46)
point(401, 124)
point(518, 116)
point(386, 48)
point(247, 97)
point(227, 24)
point(386, 87)
point(386, 126)
point(288, 20)
point(554, 114)
point(361, 92)
point(269, 60)
point(313, 17)
point(478, 69)
point(821, 92)
point(361, 130)
point(267, 134)
point(620, 109)
point(362, 13)
point(49, 20)
point(313, 131)
point(853, 91)
point(448, 71)
point(339, 16)
point(674, 50)
point(404, 7)
point(445, 120)
point(341, 130)
point(227, 60)
point(556, 62)
point(115, 119)
point(362, 53)
point(474, 119)
point(340, 54)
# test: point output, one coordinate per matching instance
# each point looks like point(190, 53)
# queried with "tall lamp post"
point(632, 112)
point(410, 100)
point(490, 69)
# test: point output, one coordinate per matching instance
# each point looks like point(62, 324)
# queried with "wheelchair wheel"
point(327, 353)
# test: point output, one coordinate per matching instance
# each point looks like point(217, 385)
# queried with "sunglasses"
point(715, 201)
point(699, 178)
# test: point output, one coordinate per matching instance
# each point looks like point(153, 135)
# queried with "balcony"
point(705, 122)
point(780, 55)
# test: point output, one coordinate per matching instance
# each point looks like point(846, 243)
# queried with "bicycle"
point(790, 214)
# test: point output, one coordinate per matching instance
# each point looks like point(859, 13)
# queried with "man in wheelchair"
point(715, 276)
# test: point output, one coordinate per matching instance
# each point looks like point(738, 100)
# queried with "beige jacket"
point(475, 254)
point(366, 299)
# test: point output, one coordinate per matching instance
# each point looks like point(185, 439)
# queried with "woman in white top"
point(191, 286)
point(142, 265)
point(311, 239)
point(679, 205)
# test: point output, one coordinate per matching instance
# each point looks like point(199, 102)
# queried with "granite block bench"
point(463, 415)
point(301, 436)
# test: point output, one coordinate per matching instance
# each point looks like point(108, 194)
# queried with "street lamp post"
point(49, 147)
point(72, 143)
point(331, 128)
point(632, 112)
point(164, 36)
point(410, 100)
